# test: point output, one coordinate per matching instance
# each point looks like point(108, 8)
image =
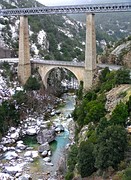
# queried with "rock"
point(31, 131)
point(12, 170)
point(59, 128)
point(46, 136)
point(10, 155)
point(32, 154)
point(15, 135)
point(49, 153)
point(58, 112)
point(18, 175)
point(49, 164)
point(47, 159)
point(44, 153)
point(20, 145)
point(25, 177)
point(52, 113)
point(5, 176)
point(44, 147)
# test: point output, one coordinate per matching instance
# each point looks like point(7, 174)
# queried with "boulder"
point(31, 131)
point(14, 135)
point(25, 177)
point(44, 147)
point(20, 145)
point(32, 154)
point(46, 135)
point(47, 159)
point(12, 170)
point(44, 153)
point(59, 128)
point(4, 176)
point(10, 155)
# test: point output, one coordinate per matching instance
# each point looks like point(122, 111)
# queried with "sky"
point(76, 2)
point(63, 2)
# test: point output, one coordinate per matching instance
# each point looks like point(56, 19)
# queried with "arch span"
point(44, 71)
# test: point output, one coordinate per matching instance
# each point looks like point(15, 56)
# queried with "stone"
point(10, 155)
point(25, 177)
point(52, 113)
point(49, 164)
point(20, 146)
point(44, 153)
point(5, 176)
point(49, 153)
point(47, 159)
point(32, 154)
point(44, 147)
point(31, 131)
point(46, 136)
point(59, 128)
point(12, 170)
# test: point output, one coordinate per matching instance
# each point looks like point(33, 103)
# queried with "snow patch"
point(66, 32)
point(41, 37)
point(68, 21)
point(34, 48)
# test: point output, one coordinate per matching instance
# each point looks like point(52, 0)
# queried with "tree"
point(110, 148)
point(127, 174)
point(86, 159)
point(80, 91)
point(120, 114)
point(123, 76)
point(32, 84)
point(103, 74)
point(95, 111)
point(72, 158)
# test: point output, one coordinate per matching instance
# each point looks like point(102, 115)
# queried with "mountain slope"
point(51, 36)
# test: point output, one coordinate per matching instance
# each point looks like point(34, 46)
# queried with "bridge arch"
point(44, 71)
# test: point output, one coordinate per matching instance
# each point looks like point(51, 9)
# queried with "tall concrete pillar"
point(24, 66)
point(90, 51)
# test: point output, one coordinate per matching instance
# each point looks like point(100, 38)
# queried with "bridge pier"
point(90, 51)
point(24, 66)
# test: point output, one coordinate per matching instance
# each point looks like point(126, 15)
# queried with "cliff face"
point(120, 55)
point(127, 59)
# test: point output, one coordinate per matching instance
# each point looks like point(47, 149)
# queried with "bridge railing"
point(58, 63)
point(88, 8)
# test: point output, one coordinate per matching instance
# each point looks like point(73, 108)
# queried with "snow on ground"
point(34, 48)
point(13, 31)
point(41, 37)
point(68, 21)
point(66, 32)
point(7, 91)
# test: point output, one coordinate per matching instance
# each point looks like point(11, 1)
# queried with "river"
point(58, 147)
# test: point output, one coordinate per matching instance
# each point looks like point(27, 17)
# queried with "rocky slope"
point(51, 36)
point(120, 54)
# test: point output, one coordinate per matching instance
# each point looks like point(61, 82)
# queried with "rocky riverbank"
point(16, 157)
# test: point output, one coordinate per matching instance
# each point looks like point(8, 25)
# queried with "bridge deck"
point(73, 9)
point(60, 63)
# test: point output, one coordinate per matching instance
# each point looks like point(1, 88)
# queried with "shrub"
point(32, 84)
point(86, 159)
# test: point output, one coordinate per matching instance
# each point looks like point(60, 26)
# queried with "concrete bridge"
point(84, 72)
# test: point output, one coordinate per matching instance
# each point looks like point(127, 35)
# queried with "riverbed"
point(58, 147)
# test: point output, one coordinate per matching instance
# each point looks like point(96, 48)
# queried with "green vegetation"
point(32, 84)
point(86, 159)
point(9, 116)
point(106, 140)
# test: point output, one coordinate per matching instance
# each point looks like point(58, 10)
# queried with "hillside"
point(59, 37)
point(119, 54)
point(51, 36)
point(110, 26)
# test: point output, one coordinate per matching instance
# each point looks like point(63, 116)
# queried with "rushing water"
point(62, 139)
